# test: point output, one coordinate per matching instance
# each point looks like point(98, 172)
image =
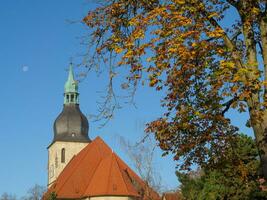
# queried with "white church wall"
point(55, 164)
point(110, 198)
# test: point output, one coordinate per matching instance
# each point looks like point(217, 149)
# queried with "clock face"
point(51, 171)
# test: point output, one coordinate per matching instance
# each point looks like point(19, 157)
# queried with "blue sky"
point(36, 44)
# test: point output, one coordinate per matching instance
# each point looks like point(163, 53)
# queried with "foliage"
point(52, 196)
point(181, 48)
point(232, 178)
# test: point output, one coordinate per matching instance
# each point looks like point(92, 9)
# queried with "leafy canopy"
point(179, 47)
point(232, 178)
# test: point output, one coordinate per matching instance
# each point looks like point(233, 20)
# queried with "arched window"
point(63, 152)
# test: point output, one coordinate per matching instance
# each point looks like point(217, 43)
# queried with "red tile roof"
point(98, 171)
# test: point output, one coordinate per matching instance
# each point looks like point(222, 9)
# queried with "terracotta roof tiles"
point(98, 171)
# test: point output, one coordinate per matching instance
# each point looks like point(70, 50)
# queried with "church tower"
point(70, 131)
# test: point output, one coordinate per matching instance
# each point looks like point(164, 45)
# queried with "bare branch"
point(142, 157)
point(234, 37)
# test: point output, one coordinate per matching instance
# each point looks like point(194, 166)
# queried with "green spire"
point(71, 95)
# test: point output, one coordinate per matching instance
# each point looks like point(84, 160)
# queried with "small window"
point(63, 152)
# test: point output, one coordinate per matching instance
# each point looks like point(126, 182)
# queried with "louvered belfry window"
point(63, 152)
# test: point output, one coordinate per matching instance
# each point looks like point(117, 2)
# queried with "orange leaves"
point(118, 49)
point(174, 47)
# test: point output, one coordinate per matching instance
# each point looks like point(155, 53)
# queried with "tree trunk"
point(258, 118)
point(260, 131)
point(263, 30)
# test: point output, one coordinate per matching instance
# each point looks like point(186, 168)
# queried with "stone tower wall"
point(55, 164)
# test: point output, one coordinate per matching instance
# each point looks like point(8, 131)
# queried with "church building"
point(81, 168)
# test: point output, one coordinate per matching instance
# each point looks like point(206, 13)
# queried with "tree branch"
point(228, 104)
point(228, 43)
point(234, 37)
point(233, 3)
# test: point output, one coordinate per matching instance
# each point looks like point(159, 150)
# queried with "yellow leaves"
point(157, 32)
point(137, 76)
point(245, 95)
point(133, 21)
point(243, 170)
point(181, 2)
point(194, 44)
point(265, 102)
point(128, 54)
point(227, 64)
point(129, 43)
point(115, 39)
point(234, 89)
point(138, 33)
point(153, 80)
point(257, 86)
point(157, 11)
point(198, 114)
point(218, 32)
point(172, 50)
point(149, 59)
point(264, 84)
point(255, 11)
point(214, 14)
point(135, 68)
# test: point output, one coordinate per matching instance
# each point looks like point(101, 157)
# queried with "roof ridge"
point(109, 174)
point(136, 177)
point(121, 172)
point(89, 184)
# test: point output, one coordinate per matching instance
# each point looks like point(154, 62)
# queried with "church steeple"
point(71, 125)
point(71, 95)
point(70, 131)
